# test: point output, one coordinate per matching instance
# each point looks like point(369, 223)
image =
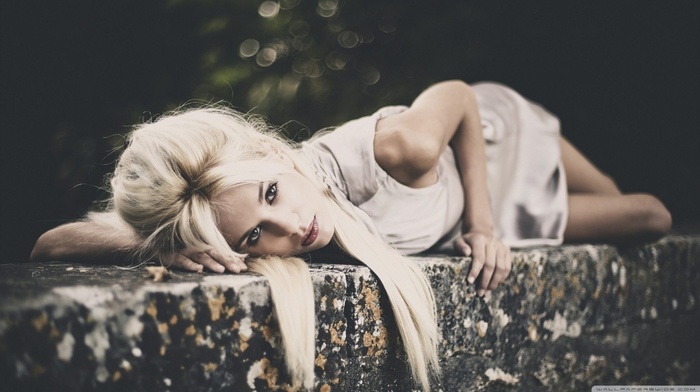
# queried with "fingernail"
point(480, 293)
point(470, 279)
point(220, 268)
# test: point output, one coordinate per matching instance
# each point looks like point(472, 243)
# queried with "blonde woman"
point(478, 169)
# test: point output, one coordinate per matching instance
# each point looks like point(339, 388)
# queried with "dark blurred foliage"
point(622, 76)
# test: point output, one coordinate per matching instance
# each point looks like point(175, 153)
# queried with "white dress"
point(525, 178)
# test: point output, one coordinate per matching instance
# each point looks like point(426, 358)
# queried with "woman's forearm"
point(469, 148)
point(85, 242)
point(453, 107)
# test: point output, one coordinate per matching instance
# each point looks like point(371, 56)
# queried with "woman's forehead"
point(246, 172)
point(234, 207)
point(240, 194)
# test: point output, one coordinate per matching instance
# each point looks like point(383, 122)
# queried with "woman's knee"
point(626, 219)
point(653, 217)
point(610, 185)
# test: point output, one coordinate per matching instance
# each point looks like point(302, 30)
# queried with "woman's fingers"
point(207, 261)
point(229, 262)
point(462, 246)
point(491, 261)
point(503, 267)
point(211, 260)
point(180, 261)
point(478, 257)
point(489, 268)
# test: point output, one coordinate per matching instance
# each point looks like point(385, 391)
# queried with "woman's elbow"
point(663, 221)
point(39, 251)
point(658, 220)
point(459, 86)
point(45, 248)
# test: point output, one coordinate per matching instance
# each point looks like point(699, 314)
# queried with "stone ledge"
point(567, 318)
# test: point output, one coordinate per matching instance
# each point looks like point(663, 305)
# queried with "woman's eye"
point(254, 235)
point(271, 193)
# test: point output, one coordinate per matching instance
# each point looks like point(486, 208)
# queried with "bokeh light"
point(370, 76)
point(327, 8)
point(349, 39)
point(268, 9)
point(249, 48)
point(266, 57)
point(299, 29)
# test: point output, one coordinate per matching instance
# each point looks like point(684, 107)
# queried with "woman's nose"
point(286, 224)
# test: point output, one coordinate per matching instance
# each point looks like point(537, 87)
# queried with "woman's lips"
point(312, 233)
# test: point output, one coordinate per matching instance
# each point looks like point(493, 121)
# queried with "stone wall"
point(567, 318)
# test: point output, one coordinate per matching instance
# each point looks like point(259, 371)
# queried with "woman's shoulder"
point(355, 129)
point(345, 155)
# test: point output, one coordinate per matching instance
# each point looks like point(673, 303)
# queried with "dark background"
point(622, 76)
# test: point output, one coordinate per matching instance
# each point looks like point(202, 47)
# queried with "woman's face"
point(285, 216)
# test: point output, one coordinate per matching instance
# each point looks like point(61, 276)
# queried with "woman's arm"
point(447, 113)
point(454, 105)
point(100, 239)
point(89, 241)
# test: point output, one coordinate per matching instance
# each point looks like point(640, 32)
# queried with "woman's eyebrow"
point(245, 235)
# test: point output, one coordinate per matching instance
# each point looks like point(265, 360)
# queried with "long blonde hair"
point(163, 187)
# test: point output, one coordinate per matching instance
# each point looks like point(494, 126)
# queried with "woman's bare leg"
point(599, 212)
point(619, 219)
point(582, 175)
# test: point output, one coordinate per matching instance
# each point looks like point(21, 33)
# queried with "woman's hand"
point(196, 261)
point(491, 261)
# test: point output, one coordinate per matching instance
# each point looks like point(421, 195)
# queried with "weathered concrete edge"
point(553, 293)
point(219, 330)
